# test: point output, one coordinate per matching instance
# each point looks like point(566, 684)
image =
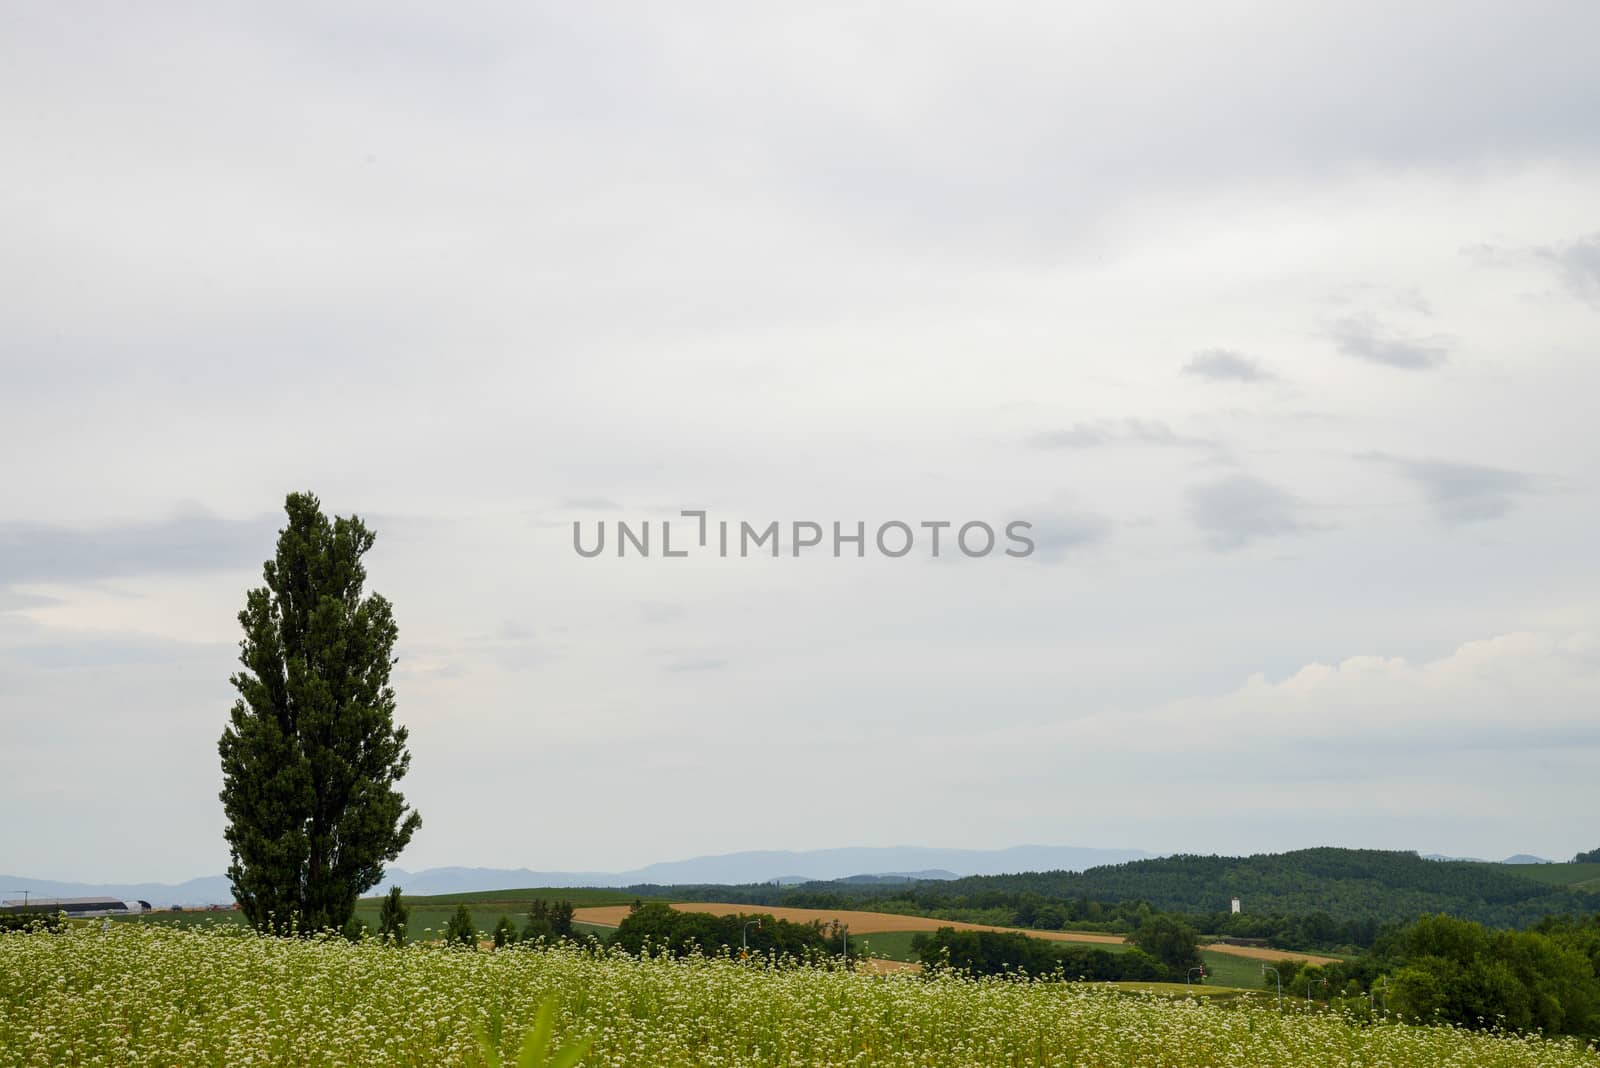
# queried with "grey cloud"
point(1225, 365)
point(1575, 263)
point(17, 601)
point(1578, 264)
point(1292, 112)
point(40, 552)
point(1366, 295)
point(1100, 433)
point(660, 612)
point(41, 651)
point(515, 646)
point(1488, 254)
point(512, 631)
point(522, 656)
point(694, 663)
point(1461, 492)
point(1234, 511)
point(1057, 535)
point(1365, 338)
point(983, 137)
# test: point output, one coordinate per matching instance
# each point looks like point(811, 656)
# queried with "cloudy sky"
point(1281, 328)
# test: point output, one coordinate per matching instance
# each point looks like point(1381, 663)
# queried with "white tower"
point(1235, 904)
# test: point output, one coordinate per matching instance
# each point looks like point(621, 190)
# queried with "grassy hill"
point(1576, 876)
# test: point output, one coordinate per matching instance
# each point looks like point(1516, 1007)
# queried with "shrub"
point(459, 928)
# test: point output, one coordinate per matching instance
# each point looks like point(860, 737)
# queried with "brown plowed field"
point(866, 923)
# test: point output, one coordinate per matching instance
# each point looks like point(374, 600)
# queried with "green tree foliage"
point(658, 927)
point(459, 928)
point(393, 916)
point(1591, 857)
point(505, 933)
point(993, 952)
point(548, 920)
point(1581, 934)
point(311, 755)
point(1170, 941)
point(32, 918)
point(1458, 972)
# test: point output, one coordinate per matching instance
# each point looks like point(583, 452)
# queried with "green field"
point(139, 994)
point(186, 919)
point(1574, 876)
point(1225, 970)
point(886, 945)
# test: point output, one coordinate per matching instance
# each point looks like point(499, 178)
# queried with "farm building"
point(79, 906)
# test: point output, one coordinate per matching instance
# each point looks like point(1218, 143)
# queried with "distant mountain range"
point(863, 863)
point(1520, 858)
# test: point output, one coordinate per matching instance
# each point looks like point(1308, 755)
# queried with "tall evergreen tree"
point(393, 916)
point(312, 754)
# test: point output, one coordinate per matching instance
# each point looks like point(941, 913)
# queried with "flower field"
point(145, 995)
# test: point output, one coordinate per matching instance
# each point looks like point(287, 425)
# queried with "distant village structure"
point(78, 907)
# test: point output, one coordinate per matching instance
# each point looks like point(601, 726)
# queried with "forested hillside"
point(1347, 884)
point(1364, 887)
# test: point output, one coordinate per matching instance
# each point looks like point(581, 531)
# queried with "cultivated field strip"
point(868, 923)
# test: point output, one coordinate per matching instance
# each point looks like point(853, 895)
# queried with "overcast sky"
point(1280, 326)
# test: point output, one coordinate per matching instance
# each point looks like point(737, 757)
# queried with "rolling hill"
point(1347, 884)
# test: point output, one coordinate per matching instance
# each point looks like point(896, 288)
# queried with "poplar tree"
point(312, 755)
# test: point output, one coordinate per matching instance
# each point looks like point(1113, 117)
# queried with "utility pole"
point(744, 934)
point(1279, 978)
point(1311, 984)
point(1189, 978)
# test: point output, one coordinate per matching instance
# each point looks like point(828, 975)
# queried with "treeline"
point(1303, 899)
point(994, 952)
point(655, 927)
point(1165, 949)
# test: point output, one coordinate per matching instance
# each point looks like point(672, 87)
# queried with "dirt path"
point(868, 923)
point(1262, 953)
